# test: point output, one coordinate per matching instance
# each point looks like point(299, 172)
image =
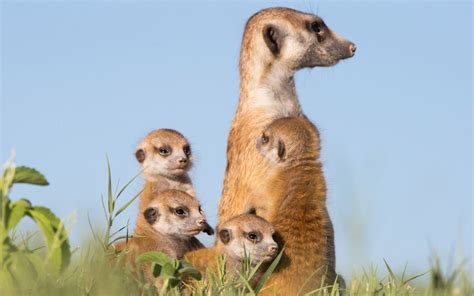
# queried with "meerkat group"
point(274, 194)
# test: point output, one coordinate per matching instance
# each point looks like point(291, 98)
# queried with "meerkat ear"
point(151, 215)
point(281, 150)
point(224, 236)
point(208, 229)
point(252, 211)
point(140, 155)
point(273, 38)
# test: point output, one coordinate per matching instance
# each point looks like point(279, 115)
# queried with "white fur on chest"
point(275, 94)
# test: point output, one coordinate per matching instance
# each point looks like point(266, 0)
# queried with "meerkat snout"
point(353, 48)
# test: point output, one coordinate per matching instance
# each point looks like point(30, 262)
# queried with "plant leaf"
point(30, 176)
point(128, 203)
point(268, 272)
point(16, 212)
point(109, 188)
point(157, 257)
point(55, 235)
point(187, 269)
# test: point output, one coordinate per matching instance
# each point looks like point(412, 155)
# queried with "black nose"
point(353, 48)
point(183, 160)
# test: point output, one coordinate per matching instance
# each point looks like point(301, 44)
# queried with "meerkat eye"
point(187, 150)
point(200, 210)
point(316, 27)
point(265, 139)
point(180, 212)
point(165, 151)
point(253, 237)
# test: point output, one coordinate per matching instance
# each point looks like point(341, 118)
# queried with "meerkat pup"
point(165, 157)
point(295, 183)
point(169, 222)
point(241, 236)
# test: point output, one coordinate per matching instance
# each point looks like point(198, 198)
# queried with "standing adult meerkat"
point(293, 197)
point(243, 233)
point(276, 43)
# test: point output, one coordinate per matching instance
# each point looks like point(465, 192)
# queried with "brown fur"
point(267, 93)
point(159, 183)
point(297, 208)
point(206, 259)
point(146, 238)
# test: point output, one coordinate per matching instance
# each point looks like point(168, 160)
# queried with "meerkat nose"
point(273, 248)
point(182, 160)
point(353, 48)
point(201, 222)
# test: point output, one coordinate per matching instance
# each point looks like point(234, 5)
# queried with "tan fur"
point(293, 198)
point(155, 183)
point(267, 93)
point(206, 259)
point(147, 237)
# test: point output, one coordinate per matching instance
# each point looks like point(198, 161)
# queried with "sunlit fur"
point(292, 197)
point(160, 172)
point(267, 92)
point(234, 250)
point(169, 233)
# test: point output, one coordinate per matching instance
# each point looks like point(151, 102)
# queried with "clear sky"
point(82, 80)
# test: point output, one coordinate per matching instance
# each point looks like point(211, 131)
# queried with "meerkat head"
point(291, 39)
point(289, 138)
point(176, 213)
point(164, 152)
point(249, 234)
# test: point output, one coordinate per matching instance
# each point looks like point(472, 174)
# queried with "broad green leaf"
point(167, 270)
point(157, 257)
point(189, 270)
point(17, 210)
point(173, 281)
point(30, 176)
point(55, 235)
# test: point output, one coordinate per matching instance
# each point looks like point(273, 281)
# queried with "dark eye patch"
point(164, 150)
point(254, 236)
point(181, 211)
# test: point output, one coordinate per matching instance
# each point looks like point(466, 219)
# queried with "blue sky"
point(82, 80)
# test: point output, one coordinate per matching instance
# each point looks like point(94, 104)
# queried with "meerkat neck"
point(267, 85)
point(161, 183)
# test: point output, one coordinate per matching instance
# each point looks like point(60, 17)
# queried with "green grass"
point(93, 269)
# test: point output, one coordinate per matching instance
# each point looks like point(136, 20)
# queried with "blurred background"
point(83, 80)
